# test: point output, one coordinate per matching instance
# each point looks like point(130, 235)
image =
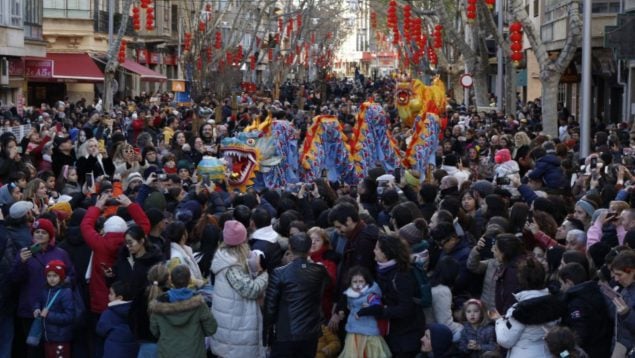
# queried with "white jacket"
point(239, 319)
point(441, 310)
point(523, 341)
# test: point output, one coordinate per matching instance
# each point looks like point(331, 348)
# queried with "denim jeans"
point(6, 338)
point(147, 350)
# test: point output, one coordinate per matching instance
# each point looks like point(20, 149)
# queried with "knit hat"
point(19, 209)
point(502, 156)
point(62, 210)
point(155, 200)
point(440, 338)
point(483, 187)
point(586, 206)
point(411, 233)
point(45, 225)
point(155, 216)
point(56, 266)
point(131, 178)
point(115, 224)
point(5, 194)
point(234, 233)
point(412, 177)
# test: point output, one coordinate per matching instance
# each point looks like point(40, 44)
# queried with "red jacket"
point(105, 249)
point(324, 257)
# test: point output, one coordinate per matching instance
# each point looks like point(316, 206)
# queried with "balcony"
point(66, 13)
point(100, 19)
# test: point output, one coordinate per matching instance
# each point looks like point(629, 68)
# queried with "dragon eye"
point(251, 141)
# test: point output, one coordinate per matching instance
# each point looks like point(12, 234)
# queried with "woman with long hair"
point(181, 253)
point(508, 250)
point(206, 234)
point(36, 193)
point(240, 282)
point(399, 294)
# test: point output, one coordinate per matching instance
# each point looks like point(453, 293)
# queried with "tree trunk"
point(550, 105)
point(113, 48)
point(510, 92)
point(480, 82)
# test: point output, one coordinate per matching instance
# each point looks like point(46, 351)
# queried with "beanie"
point(56, 266)
point(155, 216)
point(47, 226)
point(502, 156)
point(440, 338)
point(115, 224)
point(62, 210)
point(411, 233)
point(234, 233)
point(586, 206)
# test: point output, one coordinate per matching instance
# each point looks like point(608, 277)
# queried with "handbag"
point(37, 327)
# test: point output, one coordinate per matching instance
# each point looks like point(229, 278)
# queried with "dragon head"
point(248, 153)
point(408, 101)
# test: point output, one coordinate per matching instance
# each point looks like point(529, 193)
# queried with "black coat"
point(399, 291)
point(293, 301)
point(135, 275)
point(358, 251)
point(60, 160)
point(79, 253)
point(90, 164)
point(588, 316)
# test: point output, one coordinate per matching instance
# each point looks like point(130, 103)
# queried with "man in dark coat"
point(587, 314)
point(292, 304)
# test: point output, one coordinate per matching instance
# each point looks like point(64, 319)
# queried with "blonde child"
point(363, 336)
point(478, 335)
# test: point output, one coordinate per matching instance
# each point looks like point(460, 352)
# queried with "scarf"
point(385, 266)
point(180, 294)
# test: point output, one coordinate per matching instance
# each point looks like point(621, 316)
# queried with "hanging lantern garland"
point(490, 4)
point(470, 11)
point(438, 36)
point(218, 40)
point(122, 51)
point(136, 18)
point(187, 41)
point(373, 20)
point(149, 18)
point(516, 42)
point(407, 12)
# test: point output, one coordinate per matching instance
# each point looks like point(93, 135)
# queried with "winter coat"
point(523, 339)
point(548, 170)
point(608, 233)
point(183, 255)
point(134, 270)
point(484, 336)
point(465, 282)
point(293, 301)
point(236, 309)
point(91, 164)
point(58, 323)
point(113, 326)
point(105, 248)
point(8, 296)
point(60, 160)
point(265, 239)
point(30, 278)
point(489, 267)
point(508, 169)
point(181, 326)
point(506, 285)
point(357, 251)
point(79, 254)
point(366, 325)
point(407, 323)
point(626, 323)
point(588, 316)
point(20, 233)
point(441, 310)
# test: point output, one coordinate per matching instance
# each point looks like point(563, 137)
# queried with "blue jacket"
point(30, 278)
point(484, 336)
point(366, 325)
point(465, 282)
point(58, 324)
point(113, 326)
point(549, 170)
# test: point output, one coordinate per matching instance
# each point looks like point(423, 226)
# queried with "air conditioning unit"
point(4, 71)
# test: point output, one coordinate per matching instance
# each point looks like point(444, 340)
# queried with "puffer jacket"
point(527, 339)
point(548, 170)
point(293, 300)
point(366, 325)
point(626, 323)
point(58, 324)
point(105, 249)
point(181, 326)
point(113, 326)
point(236, 309)
point(134, 270)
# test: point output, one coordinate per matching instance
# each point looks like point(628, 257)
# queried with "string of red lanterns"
point(122, 51)
point(516, 42)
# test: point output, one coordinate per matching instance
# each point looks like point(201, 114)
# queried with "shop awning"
point(145, 73)
point(78, 67)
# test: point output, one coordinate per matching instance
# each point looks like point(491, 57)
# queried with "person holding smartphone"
point(623, 271)
point(28, 274)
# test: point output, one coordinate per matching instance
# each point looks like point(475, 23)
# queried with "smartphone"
point(35, 248)
point(18, 150)
point(206, 179)
point(90, 179)
point(594, 163)
point(163, 176)
point(608, 291)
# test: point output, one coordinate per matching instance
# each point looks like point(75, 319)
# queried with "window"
point(33, 19)
point(536, 8)
point(605, 6)
point(16, 13)
point(74, 9)
point(175, 19)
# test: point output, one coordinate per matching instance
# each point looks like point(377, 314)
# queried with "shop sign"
point(155, 58)
point(178, 86)
point(38, 68)
point(169, 59)
point(16, 67)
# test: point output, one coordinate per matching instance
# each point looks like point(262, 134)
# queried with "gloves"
point(374, 310)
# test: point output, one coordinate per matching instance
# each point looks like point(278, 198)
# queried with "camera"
point(503, 181)
point(309, 186)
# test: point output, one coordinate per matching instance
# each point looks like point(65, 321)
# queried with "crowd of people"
point(112, 245)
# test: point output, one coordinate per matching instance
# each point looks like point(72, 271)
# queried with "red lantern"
point(218, 40)
point(299, 21)
point(136, 18)
point(149, 18)
point(201, 26)
point(280, 24)
point(144, 4)
point(515, 27)
point(516, 47)
point(121, 58)
point(230, 58)
point(270, 54)
point(289, 27)
point(252, 62)
point(239, 54)
point(490, 4)
point(517, 56)
point(471, 16)
point(187, 41)
point(209, 54)
point(516, 36)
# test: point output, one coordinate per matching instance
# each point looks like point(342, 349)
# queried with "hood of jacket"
point(509, 167)
point(374, 289)
point(266, 233)
point(120, 308)
point(74, 236)
point(538, 308)
point(178, 313)
point(222, 260)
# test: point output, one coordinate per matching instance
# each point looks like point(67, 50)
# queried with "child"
point(113, 324)
point(67, 183)
point(477, 336)
point(180, 319)
point(363, 337)
point(169, 164)
point(58, 319)
point(561, 343)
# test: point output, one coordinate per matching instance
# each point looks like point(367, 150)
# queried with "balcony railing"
point(65, 13)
